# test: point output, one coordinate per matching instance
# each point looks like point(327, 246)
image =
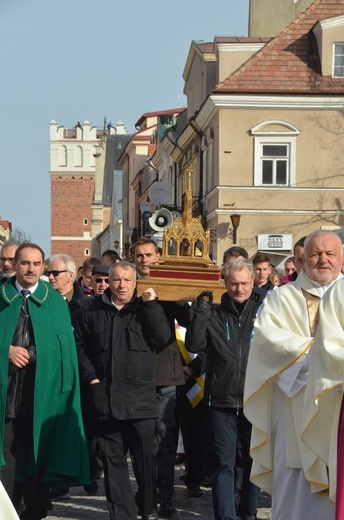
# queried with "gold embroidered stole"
point(313, 310)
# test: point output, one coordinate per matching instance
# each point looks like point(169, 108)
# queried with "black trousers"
point(165, 429)
point(8, 471)
point(19, 436)
point(115, 439)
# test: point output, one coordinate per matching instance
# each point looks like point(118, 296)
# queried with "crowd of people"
point(93, 374)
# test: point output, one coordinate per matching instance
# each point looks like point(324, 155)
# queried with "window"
point(275, 153)
point(78, 156)
point(274, 164)
point(338, 62)
point(85, 221)
point(63, 155)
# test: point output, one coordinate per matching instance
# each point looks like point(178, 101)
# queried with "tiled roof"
point(241, 39)
point(151, 149)
point(146, 115)
point(290, 62)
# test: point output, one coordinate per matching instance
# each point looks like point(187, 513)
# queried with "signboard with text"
point(275, 242)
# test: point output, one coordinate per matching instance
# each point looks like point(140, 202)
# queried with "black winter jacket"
point(118, 348)
point(169, 368)
point(225, 336)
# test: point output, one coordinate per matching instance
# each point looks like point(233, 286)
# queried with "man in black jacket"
point(117, 335)
point(224, 332)
point(169, 374)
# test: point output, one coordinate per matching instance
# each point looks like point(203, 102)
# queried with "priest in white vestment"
point(323, 401)
point(276, 380)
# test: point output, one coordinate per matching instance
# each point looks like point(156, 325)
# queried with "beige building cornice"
point(216, 101)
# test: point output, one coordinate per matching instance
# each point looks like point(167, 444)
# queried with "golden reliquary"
point(185, 268)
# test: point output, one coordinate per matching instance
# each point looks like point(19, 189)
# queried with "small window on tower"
point(85, 221)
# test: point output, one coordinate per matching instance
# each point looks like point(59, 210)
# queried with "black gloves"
point(205, 296)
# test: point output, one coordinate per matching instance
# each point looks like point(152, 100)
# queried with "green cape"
point(59, 443)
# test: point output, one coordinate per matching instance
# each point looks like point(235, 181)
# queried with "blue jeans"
point(225, 425)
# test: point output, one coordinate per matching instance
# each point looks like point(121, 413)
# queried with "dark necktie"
point(25, 293)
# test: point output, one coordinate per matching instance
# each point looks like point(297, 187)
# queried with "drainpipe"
point(200, 135)
point(149, 162)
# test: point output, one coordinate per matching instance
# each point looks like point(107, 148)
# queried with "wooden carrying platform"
point(174, 283)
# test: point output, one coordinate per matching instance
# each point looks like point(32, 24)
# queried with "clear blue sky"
point(72, 60)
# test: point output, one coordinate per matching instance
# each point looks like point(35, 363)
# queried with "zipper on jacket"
point(209, 400)
point(227, 329)
point(240, 358)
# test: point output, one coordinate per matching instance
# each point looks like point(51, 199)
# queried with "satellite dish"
point(160, 193)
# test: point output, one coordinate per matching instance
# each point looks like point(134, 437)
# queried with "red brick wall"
point(71, 199)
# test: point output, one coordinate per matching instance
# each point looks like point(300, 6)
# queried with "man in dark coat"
point(169, 375)
point(117, 336)
point(62, 275)
point(224, 332)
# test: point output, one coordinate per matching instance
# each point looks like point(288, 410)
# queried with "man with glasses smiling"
point(7, 258)
point(100, 278)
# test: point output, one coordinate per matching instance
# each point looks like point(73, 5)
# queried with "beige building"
point(142, 168)
point(269, 17)
point(265, 131)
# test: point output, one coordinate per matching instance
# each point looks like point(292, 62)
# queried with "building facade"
point(82, 160)
point(266, 142)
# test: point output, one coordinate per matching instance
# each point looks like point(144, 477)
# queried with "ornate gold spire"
point(186, 241)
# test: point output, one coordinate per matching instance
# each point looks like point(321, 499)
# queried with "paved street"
point(80, 506)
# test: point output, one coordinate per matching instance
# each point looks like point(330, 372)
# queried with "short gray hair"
point(11, 242)
point(124, 265)
point(68, 262)
point(237, 265)
point(320, 233)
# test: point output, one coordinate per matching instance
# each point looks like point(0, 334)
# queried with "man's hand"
point(19, 356)
point(94, 381)
point(188, 372)
point(206, 296)
point(148, 295)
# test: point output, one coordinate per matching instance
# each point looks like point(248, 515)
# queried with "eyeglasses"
point(100, 280)
point(6, 259)
point(55, 272)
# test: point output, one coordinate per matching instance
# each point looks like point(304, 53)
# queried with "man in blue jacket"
point(224, 332)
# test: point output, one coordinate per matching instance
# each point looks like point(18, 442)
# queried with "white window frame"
point(334, 56)
point(291, 143)
point(287, 135)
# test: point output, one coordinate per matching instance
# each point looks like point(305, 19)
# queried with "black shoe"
point(180, 458)
point(194, 490)
point(91, 488)
point(19, 507)
point(206, 482)
point(166, 507)
point(184, 477)
point(54, 494)
point(152, 516)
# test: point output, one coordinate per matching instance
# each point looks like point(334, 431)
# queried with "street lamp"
point(235, 219)
point(116, 244)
